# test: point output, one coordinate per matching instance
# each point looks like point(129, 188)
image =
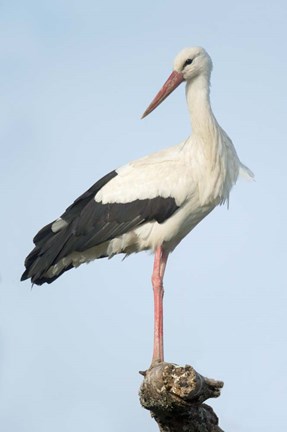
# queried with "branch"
point(174, 395)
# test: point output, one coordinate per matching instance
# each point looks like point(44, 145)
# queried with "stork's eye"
point(187, 62)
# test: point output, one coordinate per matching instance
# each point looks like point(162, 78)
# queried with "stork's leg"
point(160, 260)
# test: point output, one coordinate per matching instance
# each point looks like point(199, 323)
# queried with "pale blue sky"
point(75, 78)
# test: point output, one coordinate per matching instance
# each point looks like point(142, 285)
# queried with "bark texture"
point(175, 394)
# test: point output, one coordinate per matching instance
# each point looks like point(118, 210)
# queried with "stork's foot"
point(175, 396)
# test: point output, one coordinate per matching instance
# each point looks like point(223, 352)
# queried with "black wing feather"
point(75, 209)
point(91, 223)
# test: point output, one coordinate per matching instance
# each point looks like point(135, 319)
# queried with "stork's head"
point(191, 62)
point(188, 65)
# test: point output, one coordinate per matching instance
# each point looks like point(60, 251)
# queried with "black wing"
point(88, 223)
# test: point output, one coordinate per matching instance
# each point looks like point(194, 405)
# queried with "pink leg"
point(160, 260)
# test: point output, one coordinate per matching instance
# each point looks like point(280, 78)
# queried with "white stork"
point(151, 203)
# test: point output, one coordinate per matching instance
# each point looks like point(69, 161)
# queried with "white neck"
point(215, 162)
point(201, 116)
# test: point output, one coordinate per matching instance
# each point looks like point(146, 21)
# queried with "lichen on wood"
point(175, 394)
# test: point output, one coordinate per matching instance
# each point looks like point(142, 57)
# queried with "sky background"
point(75, 78)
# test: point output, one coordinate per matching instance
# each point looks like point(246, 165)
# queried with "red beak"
point(171, 83)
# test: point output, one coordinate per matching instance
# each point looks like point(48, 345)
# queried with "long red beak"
point(171, 83)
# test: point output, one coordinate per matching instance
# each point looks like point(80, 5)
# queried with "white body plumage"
point(186, 181)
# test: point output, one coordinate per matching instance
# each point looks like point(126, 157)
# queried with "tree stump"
point(175, 394)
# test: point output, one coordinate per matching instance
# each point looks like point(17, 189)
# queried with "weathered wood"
point(175, 394)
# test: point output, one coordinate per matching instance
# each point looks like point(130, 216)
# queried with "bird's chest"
point(211, 169)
